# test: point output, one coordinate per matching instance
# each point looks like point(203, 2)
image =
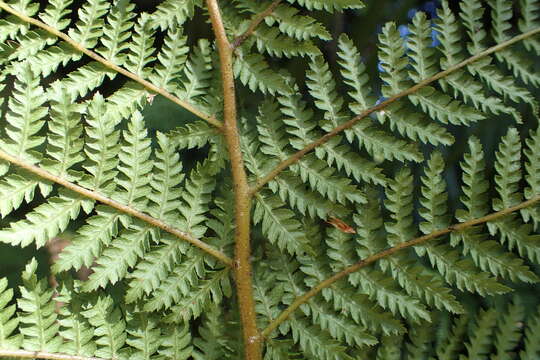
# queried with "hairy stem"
point(242, 197)
point(148, 85)
point(388, 252)
point(42, 355)
point(257, 19)
point(118, 206)
point(349, 124)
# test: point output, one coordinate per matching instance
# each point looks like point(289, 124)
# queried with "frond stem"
point(42, 355)
point(242, 197)
point(118, 206)
point(255, 22)
point(349, 124)
point(148, 85)
point(388, 252)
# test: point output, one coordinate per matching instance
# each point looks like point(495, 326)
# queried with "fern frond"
point(302, 126)
point(8, 323)
point(520, 64)
point(74, 328)
point(38, 319)
point(435, 210)
point(508, 176)
point(337, 5)
point(141, 50)
point(64, 142)
point(25, 116)
point(172, 13)
point(122, 254)
point(508, 333)
point(479, 345)
point(198, 71)
point(274, 43)
point(47, 220)
point(172, 59)
point(279, 224)
point(14, 189)
point(90, 25)
point(407, 122)
point(254, 72)
point(110, 327)
point(213, 289)
point(487, 254)
point(176, 343)
point(144, 335)
point(532, 348)
point(438, 105)
point(117, 31)
point(532, 176)
point(460, 82)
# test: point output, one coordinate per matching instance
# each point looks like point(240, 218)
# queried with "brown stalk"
point(242, 196)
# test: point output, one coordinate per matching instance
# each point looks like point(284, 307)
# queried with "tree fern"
point(294, 170)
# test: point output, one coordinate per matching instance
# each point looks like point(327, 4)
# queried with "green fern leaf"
point(254, 72)
point(279, 224)
point(47, 220)
point(198, 72)
point(55, 14)
point(176, 343)
point(144, 336)
point(508, 335)
point(460, 82)
point(141, 50)
point(213, 289)
point(172, 59)
point(532, 177)
point(90, 25)
point(110, 328)
point(508, 167)
point(64, 142)
point(117, 31)
point(15, 188)
point(521, 66)
point(74, 328)
point(38, 319)
point(24, 122)
point(336, 5)
point(479, 345)
point(8, 323)
point(172, 14)
point(90, 239)
point(532, 348)
point(274, 43)
point(487, 254)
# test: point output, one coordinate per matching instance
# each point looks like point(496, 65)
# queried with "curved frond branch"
point(25, 354)
point(349, 124)
point(242, 198)
point(257, 19)
point(148, 85)
point(390, 251)
point(118, 206)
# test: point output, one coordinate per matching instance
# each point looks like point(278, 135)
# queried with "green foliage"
point(141, 208)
